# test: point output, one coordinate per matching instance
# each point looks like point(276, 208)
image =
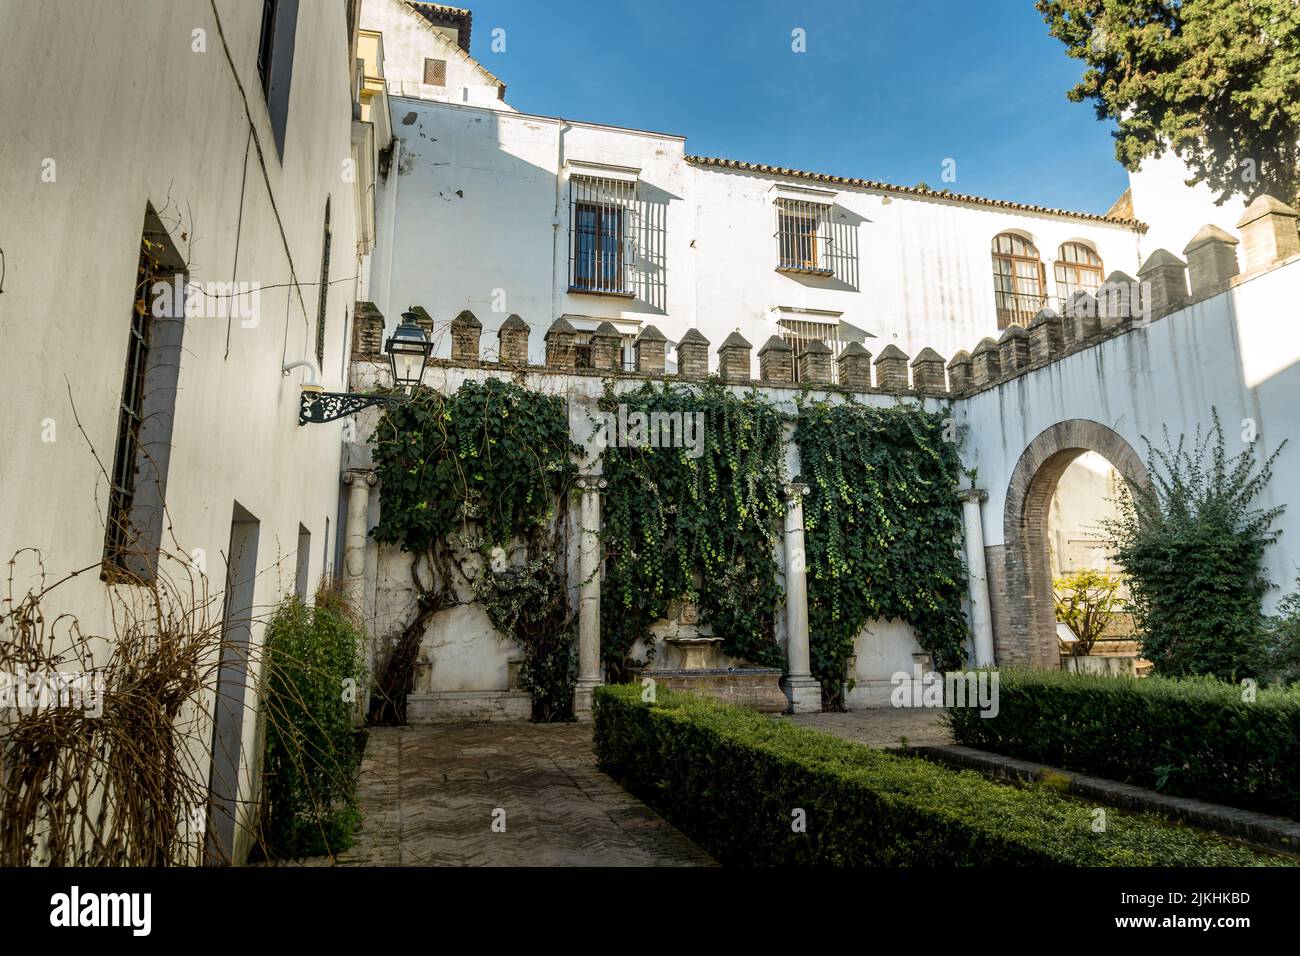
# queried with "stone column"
point(803, 692)
point(981, 616)
point(356, 534)
point(589, 671)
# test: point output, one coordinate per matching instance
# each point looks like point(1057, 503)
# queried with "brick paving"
point(428, 794)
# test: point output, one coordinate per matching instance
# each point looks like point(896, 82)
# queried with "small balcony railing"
point(1018, 308)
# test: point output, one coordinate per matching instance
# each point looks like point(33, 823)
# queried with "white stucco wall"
point(477, 189)
point(1086, 497)
point(476, 212)
point(925, 274)
point(1174, 211)
point(1238, 352)
point(113, 93)
point(408, 40)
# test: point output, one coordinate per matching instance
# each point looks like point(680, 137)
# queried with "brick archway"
point(1023, 615)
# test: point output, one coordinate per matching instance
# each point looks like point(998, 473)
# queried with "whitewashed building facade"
point(545, 217)
point(153, 437)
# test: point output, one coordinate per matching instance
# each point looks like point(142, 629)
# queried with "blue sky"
point(887, 89)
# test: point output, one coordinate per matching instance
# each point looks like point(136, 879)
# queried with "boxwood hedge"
point(1189, 737)
point(734, 780)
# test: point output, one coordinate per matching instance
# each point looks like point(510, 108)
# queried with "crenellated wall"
point(1187, 339)
point(1162, 350)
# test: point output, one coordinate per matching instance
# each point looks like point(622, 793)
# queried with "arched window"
point(1018, 279)
point(1077, 267)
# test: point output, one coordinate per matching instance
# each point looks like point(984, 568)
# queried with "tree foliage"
point(1193, 544)
point(882, 525)
point(1216, 81)
point(1087, 601)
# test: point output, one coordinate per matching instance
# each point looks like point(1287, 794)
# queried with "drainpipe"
point(556, 222)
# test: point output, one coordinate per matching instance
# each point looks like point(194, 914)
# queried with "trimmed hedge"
point(731, 780)
point(1189, 737)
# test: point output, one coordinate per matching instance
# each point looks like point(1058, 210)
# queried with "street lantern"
point(408, 349)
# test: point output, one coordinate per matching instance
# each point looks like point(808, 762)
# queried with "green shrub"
point(312, 753)
point(1190, 737)
point(1281, 651)
point(733, 779)
point(1192, 546)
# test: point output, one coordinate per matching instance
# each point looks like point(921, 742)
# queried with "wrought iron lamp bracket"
point(318, 407)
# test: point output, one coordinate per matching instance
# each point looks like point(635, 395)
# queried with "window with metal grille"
point(1077, 267)
point(275, 62)
point(265, 42)
point(324, 294)
point(803, 236)
point(1018, 280)
point(582, 345)
point(435, 72)
point(601, 225)
point(141, 453)
point(799, 332)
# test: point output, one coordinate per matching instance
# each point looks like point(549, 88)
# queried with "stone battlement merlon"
point(1165, 284)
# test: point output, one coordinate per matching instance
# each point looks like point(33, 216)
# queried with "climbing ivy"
point(493, 454)
point(881, 523)
point(701, 523)
point(487, 467)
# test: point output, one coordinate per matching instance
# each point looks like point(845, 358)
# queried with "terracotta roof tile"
point(715, 162)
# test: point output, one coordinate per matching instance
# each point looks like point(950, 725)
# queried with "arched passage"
point(1023, 613)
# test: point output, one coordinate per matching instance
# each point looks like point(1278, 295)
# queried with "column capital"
point(589, 483)
point(977, 495)
point(793, 489)
point(354, 475)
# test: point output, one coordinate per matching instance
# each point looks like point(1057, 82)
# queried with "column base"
point(582, 695)
point(803, 693)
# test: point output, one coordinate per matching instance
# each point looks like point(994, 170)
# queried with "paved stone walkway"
point(885, 728)
point(428, 794)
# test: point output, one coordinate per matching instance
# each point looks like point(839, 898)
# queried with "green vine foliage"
point(529, 603)
point(493, 454)
point(705, 527)
point(489, 466)
point(882, 522)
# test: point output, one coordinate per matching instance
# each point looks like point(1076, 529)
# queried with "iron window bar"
point(803, 237)
point(602, 226)
point(120, 533)
point(799, 332)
